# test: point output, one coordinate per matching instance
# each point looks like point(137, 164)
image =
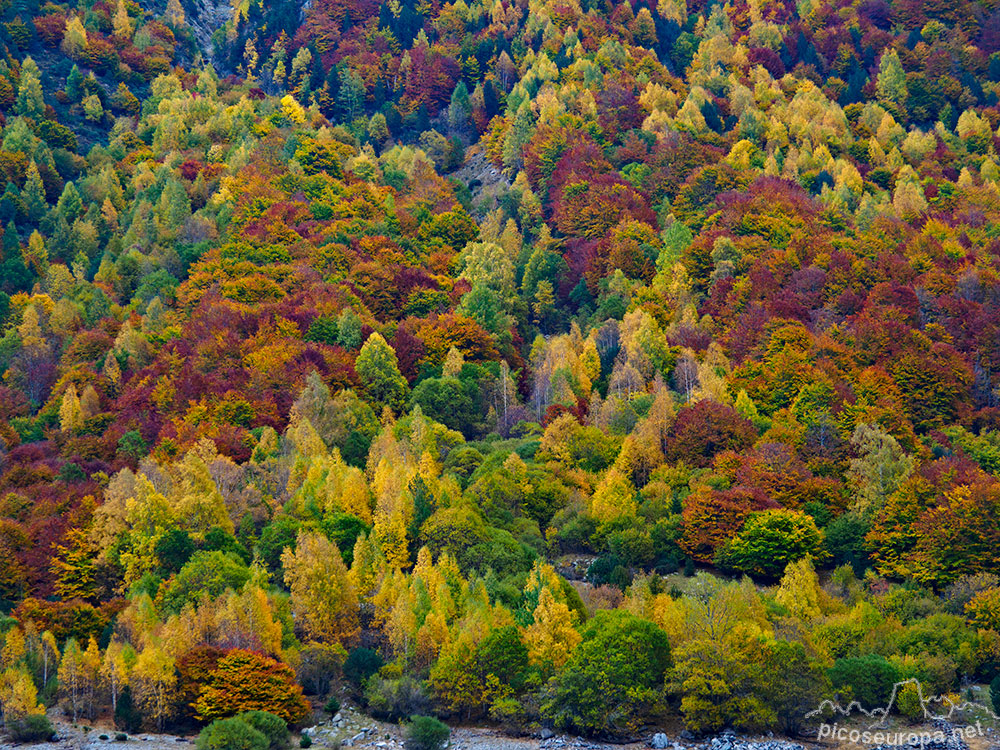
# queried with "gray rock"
point(660, 741)
point(686, 735)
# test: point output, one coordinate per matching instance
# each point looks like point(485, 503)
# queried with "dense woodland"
point(693, 415)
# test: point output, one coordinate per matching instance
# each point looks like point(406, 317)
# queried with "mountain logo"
point(935, 707)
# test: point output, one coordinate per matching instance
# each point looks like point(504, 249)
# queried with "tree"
point(153, 681)
point(891, 82)
point(121, 22)
point(30, 101)
point(769, 541)
point(378, 369)
point(323, 597)
point(174, 14)
point(74, 41)
point(72, 677)
point(207, 573)
point(614, 680)
point(703, 429)
point(116, 667)
point(18, 695)
point(245, 681)
point(879, 469)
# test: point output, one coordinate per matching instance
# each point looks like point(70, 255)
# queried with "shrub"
point(870, 678)
point(995, 694)
point(271, 726)
point(908, 702)
point(231, 734)
point(332, 705)
point(34, 728)
point(426, 733)
point(305, 741)
point(121, 737)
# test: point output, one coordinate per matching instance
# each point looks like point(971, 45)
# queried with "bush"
point(305, 741)
point(995, 694)
point(394, 698)
point(121, 737)
point(35, 728)
point(231, 734)
point(870, 678)
point(426, 733)
point(332, 705)
point(271, 726)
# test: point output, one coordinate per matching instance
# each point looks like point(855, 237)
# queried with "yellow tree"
point(72, 677)
point(552, 637)
point(121, 21)
point(14, 648)
point(153, 681)
point(116, 667)
point(18, 695)
point(70, 413)
point(91, 663)
point(323, 597)
point(246, 620)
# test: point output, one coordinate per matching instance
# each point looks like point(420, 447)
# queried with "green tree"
point(891, 81)
point(207, 573)
point(30, 101)
point(878, 471)
point(769, 541)
point(614, 679)
point(378, 369)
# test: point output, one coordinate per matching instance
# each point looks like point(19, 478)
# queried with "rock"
point(686, 735)
point(660, 741)
point(546, 733)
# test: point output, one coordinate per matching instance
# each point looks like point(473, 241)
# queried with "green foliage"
point(870, 678)
point(361, 664)
point(769, 541)
point(426, 733)
point(231, 734)
point(207, 573)
point(272, 727)
point(33, 728)
point(614, 679)
point(127, 714)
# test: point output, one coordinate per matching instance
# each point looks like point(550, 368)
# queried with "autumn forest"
point(568, 365)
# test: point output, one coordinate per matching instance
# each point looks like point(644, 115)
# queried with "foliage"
point(426, 733)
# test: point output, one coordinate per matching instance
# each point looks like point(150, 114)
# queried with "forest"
point(532, 364)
